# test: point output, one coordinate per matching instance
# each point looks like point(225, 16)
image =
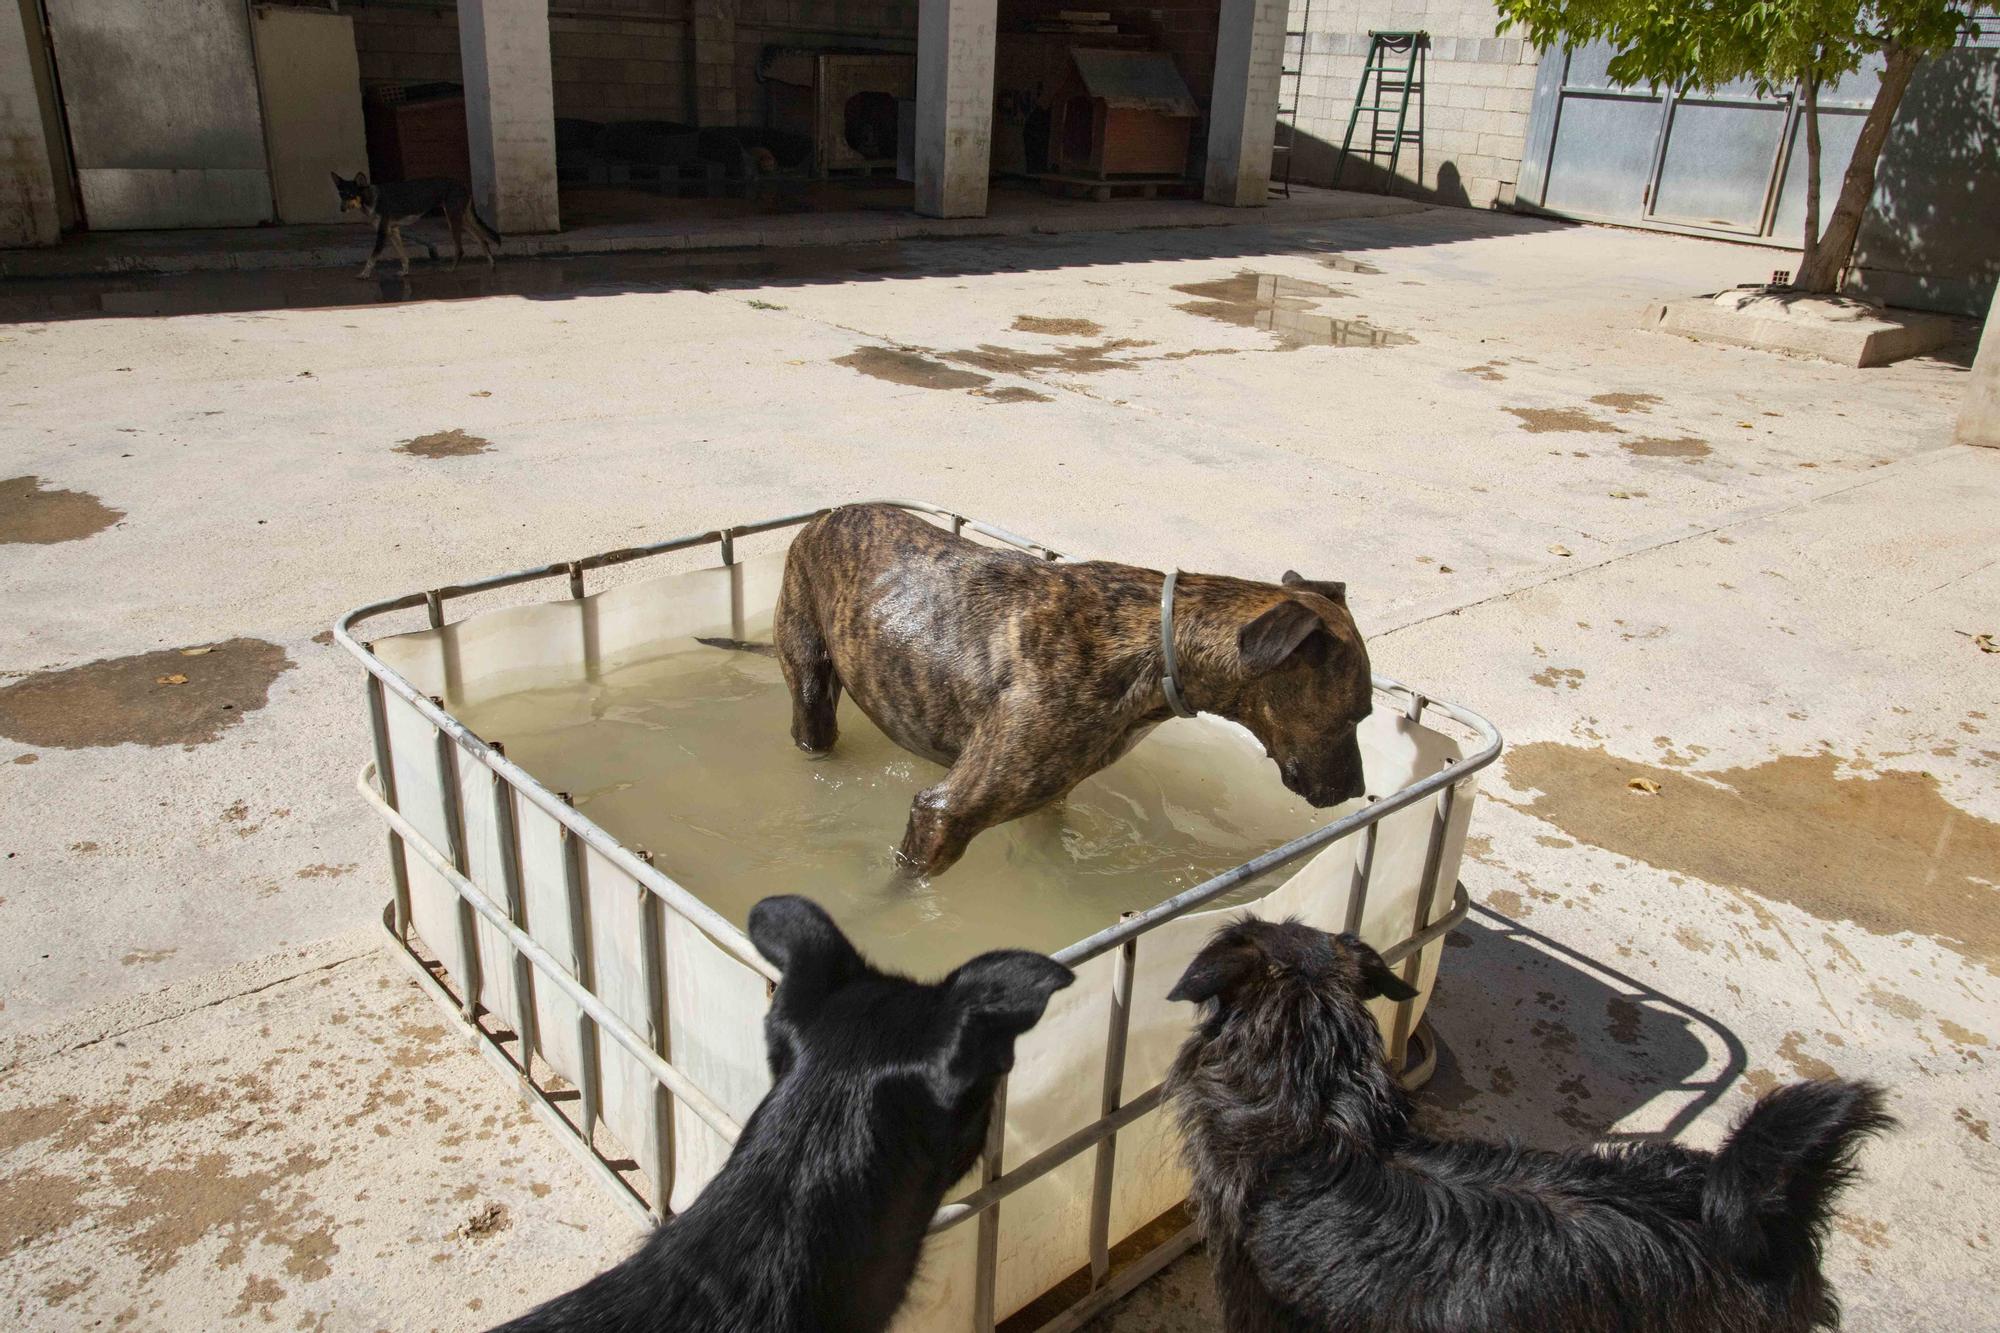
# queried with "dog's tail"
point(741, 646)
point(472, 211)
point(1770, 1191)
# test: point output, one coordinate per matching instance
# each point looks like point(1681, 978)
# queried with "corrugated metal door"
point(163, 116)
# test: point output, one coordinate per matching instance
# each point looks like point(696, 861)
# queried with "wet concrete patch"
point(1486, 370)
point(1083, 359)
point(1013, 394)
point(33, 513)
point(1627, 402)
point(128, 700)
point(1659, 446)
point(911, 368)
point(1543, 420)
point(1885, 851)
point(1057, 328)
point(1283, 307)
point(1343, 264)
point(444, 444)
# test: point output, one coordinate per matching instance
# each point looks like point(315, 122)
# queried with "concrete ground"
point(1754, 583)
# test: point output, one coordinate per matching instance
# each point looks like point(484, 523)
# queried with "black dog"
point(883, 1089)
point(1323, 1208)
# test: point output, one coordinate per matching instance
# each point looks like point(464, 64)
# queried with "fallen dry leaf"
point(1646, 785)
point(197, 652)
point(1985, 644)
point(483, 393)
point(1559, 549)
point(176, 679)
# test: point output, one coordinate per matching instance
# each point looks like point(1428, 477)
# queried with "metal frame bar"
point(659, 893)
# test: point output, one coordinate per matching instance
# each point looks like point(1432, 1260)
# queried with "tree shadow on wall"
point(1928, 239)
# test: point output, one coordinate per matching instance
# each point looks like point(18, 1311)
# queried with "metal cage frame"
point(534, 965)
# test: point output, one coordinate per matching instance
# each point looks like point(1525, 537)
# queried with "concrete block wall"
point(611, 59)
point(1476, 111)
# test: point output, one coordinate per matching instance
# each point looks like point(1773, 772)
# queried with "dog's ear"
point(1224, 963)
point(998, 996)
point(799, 937)
point(1333, 590)
point(1272, 637)
point(1376, 976)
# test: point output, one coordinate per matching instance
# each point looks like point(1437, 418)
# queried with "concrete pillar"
point(27, 183)
point(1243, 114)
point(954, 106)
point(1979, 418)
point(714, 32)
point(510, 111)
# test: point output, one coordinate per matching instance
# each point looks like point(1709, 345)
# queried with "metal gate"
point(161, 99)
point(1722, 163)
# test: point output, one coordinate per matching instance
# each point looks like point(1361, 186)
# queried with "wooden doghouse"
point(1122, 113)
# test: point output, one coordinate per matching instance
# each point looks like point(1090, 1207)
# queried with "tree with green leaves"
point(1800, 45)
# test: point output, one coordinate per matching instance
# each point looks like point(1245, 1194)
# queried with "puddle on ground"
point(1284, 307)
point(1542, 420)
point(1886, 851)
point(1186, 804)
point(1057, 328)
point(1627, 402)
point(912, 368)
point(133, 700)
point(1342, 264)
point(35, 514)
point(1659, 446)
point(444, 444)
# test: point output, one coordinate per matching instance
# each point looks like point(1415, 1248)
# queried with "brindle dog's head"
point(1304, 686)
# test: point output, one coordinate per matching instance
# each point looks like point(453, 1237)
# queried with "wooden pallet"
point(1101, 188)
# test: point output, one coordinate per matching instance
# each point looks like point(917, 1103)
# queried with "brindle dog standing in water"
point(1027, 676)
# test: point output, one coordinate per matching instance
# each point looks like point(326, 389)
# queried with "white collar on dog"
point(1170, 684)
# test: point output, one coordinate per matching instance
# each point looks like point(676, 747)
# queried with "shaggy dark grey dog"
point(1324, 1209)
point(883, 1089)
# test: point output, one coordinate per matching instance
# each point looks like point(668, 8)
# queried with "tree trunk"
point(1828, 260)
point(1808, 253)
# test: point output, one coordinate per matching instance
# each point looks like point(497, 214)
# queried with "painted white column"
point(1243, 113)
point(510, 111)
point(1979, 418)
point(27, 183)
point(954, 106)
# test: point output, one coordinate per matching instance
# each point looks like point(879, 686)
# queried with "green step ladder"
point(1292, 67)
point(1402, 82)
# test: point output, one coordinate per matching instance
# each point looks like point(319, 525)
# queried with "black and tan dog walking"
point(396, 204)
